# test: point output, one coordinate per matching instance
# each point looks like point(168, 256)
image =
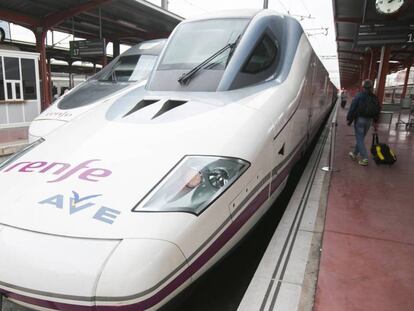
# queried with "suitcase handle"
point(375, 140)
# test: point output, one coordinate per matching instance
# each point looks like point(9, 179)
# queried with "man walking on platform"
point(344, 97)
point(364, 109)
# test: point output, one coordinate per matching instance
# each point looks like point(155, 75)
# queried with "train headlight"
point(193, 184)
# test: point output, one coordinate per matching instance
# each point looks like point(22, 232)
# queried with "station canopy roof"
point(126, 21)
point(359, 27)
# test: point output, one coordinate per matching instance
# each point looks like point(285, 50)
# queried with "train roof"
point(151, 47)
point(243, 13)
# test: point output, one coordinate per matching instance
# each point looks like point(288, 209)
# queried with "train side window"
point(12, 68)
point(263, 56)
point(261, 64)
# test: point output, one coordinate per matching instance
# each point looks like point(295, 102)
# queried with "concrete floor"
point(287, 275)
point(368, 245)
point(13, 134)
point(12, 140)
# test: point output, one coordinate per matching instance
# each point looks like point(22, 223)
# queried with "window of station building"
point(28, 78)
point(12, 68)
point(9, 90)
point(262, 57)
point(18, 93)
point(17, 78)
point(2, 97)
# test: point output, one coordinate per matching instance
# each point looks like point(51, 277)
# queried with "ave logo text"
point(77, 204)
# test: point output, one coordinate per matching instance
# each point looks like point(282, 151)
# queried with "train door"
point(289, 142)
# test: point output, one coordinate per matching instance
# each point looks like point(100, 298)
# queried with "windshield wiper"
point(186, 77)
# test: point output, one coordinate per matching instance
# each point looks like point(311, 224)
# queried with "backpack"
point(382, 153)
point(369, 107)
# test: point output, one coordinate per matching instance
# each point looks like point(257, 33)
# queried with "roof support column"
point(373, 64)
point(366, 64)
point(104, 56)
point(40, 34)
point(104, 60)
point(382, 72)
point(116, 47)
point(70, 75)
point(49, 79)
point(407, 75)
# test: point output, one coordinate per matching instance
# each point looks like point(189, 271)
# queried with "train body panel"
point(171, 176)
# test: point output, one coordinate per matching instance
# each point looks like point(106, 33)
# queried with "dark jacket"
point(353, 110)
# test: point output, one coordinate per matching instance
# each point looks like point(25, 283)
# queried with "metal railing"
point(334, 125)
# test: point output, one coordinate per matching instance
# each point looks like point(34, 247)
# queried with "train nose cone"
point(140, 274)
point(64, 273)
point(47, 271)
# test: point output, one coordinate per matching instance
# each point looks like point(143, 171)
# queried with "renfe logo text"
point(61, 170)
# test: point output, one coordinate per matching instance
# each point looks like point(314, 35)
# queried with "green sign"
point(87, 48)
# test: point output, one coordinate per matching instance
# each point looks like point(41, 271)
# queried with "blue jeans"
point(361, 126)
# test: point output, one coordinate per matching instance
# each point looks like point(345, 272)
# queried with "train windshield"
point(196, 41)
point(130, 68)
point(113, 78)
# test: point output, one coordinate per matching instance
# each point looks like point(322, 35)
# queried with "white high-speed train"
point(129, 70)
point(126, 205)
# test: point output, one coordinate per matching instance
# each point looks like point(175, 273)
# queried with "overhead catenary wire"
point(283, 6)
point(305, 7)
point(192, 4)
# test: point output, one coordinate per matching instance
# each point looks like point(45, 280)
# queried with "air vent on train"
point(169, 105)
point(141, 104)
point(282, 150)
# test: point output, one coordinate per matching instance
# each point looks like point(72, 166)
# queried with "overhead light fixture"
point(130, 25)
point(391, 61)
point(88, 24)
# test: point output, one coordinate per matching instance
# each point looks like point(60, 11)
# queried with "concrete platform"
point(368, 246)
point(12, 140)
point(286, 276)
point(361, 257)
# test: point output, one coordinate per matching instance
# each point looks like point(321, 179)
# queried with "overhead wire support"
point(100, 24)
point(328, 57)
point(319, 31)
point(301, 17)
point(61, 40)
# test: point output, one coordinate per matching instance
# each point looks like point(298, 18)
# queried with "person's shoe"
point(352, 155)
point(363, 162)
